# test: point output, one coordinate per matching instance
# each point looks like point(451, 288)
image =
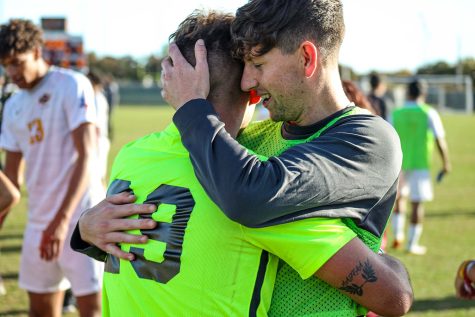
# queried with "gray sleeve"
point(357, 160)
point(81, 246)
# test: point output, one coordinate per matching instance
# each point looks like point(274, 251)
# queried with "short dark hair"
point(19, 36)
point(417, 88)
point(95, 78)
point(374, 80)
point(286, 23)
point(215, 29)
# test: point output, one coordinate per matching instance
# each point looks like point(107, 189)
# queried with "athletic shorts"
point(72, 269)
point(417, 185)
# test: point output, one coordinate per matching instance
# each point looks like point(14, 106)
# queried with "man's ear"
point(310, 58)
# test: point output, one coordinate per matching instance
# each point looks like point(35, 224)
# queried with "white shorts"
point(71, 269)
point(417, 185)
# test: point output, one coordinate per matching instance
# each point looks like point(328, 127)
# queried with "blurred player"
point(102, 108)
point(50, 124)
point(419, 128)
point(112, 94)
point(375, 97)
point(355, 95)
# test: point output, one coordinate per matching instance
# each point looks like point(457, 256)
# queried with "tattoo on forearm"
point(368, 275)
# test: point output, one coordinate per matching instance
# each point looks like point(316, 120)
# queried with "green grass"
point(448, 231)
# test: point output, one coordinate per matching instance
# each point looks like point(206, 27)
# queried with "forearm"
point(444, 152)
point(84, 140)
point(232, 177)
point(10, 182)
point(398, 296)
point(331, 170)
point(76, 188)
point(13, 168)
point(9, 194)
point(379, 283)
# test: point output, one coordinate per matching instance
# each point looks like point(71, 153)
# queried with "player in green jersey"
point(290, 49)
point(149, 156)
point(420, 128)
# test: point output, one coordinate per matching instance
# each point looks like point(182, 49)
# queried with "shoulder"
point(68, 77)
point(432, 112)
point(101, 101)
point(365, 126)
point(125, 154)
point(13, 102)
point(155, 142)
point(367, 136)
point(138, 143)
point(143, 150)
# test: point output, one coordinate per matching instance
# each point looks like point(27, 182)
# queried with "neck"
point(417, 100)
point(41, 72)
point(327, 97)
point(231, 119)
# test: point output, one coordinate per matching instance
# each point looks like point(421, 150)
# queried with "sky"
point(382, 35)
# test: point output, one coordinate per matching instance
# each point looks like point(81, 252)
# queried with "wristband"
point(461, 271)
point(464, 268)
point(468, 284)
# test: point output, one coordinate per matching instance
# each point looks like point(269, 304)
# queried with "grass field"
point(448, 233)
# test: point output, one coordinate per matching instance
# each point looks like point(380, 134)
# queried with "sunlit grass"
point(448, 232)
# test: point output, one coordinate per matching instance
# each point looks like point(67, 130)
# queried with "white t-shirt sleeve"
point(80, 104)
point(8, 140)
point(435, 124)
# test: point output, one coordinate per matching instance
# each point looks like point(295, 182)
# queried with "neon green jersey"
point(417, 139)
point(293, 296)
point(198, 262)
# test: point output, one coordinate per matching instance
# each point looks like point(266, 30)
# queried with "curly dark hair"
point(286, 23)
point(19, 36)
point(213, 27)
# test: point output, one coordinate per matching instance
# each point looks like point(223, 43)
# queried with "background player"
point(102, 110)
point(50, 124)
point(355, 95)
point(418, 126)
point(376, 96)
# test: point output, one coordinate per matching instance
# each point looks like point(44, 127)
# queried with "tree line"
point(130, 69)
point(126, 68)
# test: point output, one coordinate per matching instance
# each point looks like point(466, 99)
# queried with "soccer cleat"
point(69, 302)
point(69, 309)
point(417, 250)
